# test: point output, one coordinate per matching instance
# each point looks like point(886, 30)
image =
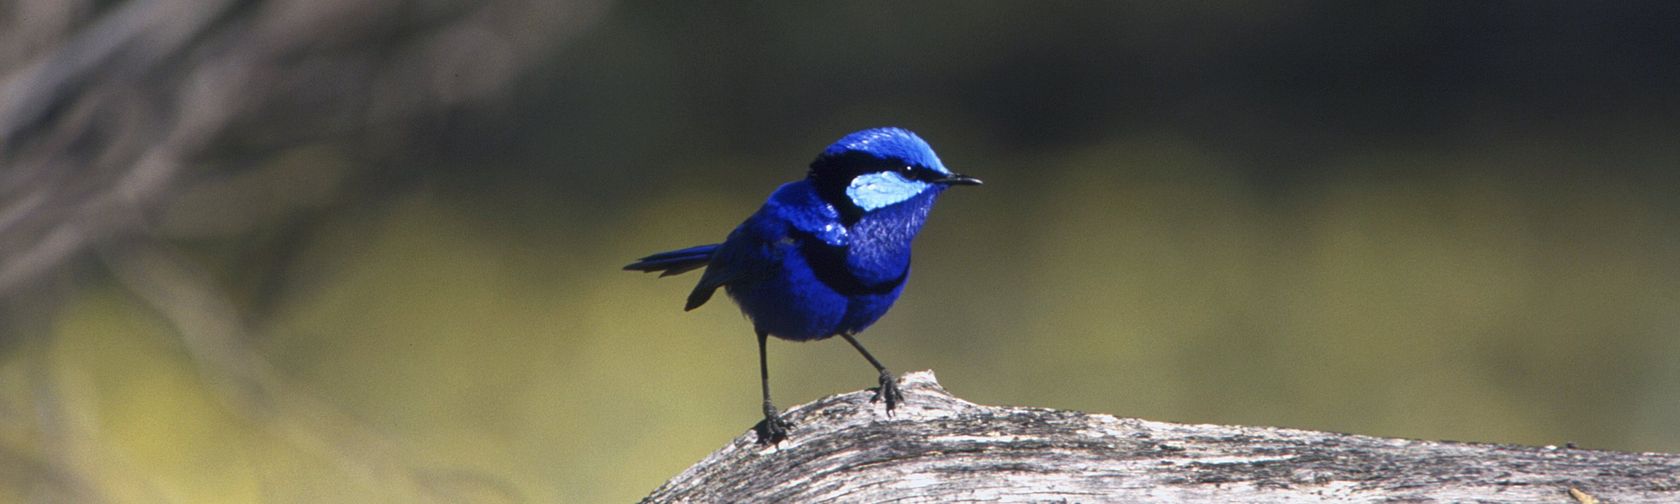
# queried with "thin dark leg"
point(889, 385)
point(773, 429)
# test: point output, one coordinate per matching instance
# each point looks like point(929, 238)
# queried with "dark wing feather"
point(721, 271)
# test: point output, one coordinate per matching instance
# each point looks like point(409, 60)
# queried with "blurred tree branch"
point(128, 107)
point(943, 449)
point(124, 125)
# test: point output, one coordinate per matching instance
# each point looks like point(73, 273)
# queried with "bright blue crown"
point(889, 144)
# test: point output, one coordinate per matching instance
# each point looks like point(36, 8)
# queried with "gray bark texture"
point(938, 448)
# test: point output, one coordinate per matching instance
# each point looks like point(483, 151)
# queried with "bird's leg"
point(888, 389)
point(773, 429)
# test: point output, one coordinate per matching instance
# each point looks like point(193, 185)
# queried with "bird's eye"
point(907, 171)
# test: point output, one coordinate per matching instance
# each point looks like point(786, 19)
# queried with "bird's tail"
point(675, 262)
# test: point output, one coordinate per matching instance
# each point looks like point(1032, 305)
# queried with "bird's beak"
point(955, 179)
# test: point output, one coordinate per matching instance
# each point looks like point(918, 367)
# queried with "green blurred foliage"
point(1437, 221)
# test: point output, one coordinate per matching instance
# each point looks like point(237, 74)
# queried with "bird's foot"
point(888, 391)
point(773, 429)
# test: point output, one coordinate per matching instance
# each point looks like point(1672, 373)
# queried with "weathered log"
point(938, 448)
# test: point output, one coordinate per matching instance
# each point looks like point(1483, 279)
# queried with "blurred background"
point(369, 250)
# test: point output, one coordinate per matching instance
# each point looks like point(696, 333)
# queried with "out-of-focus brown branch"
point(118, 117)
point(123, 125)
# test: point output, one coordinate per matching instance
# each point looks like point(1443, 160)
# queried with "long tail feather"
point(675, 262)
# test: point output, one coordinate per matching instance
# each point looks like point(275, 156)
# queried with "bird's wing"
point(726, 267)
point(794, 213)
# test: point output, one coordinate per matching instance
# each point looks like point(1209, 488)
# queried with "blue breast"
point(810, 277)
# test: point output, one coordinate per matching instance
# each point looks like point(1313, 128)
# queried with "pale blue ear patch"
point(870, 191)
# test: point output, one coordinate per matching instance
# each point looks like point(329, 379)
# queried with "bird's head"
point(879, 167)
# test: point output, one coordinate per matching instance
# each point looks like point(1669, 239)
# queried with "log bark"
point(938, 448)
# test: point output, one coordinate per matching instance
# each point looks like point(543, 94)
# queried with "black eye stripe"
point(913, 172)
point(840, 172)
point(909, 172)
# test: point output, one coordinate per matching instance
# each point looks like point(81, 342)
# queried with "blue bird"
point(825, 256)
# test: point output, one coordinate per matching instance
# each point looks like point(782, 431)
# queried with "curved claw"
point(773, 429)
point(888, 391)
